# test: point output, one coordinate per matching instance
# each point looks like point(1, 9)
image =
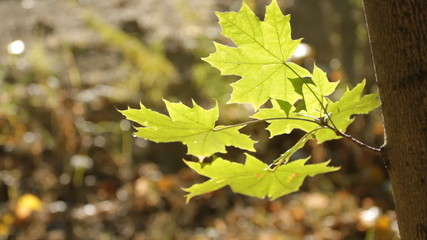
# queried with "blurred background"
point(70, 168)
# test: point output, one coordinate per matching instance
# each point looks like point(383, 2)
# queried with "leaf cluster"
point(299, 100)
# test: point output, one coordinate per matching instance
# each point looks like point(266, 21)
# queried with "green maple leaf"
point(279, 125)
point(340, 112)
point(254, 178)
point(315, 94)
point(195, 127)
point(314, 91)
point(352, 102)
point(260, 57)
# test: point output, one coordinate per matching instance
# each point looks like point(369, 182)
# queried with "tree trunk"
point(398, 35)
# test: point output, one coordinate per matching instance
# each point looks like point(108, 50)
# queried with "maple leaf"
point(284, 120)
point(339, 113)
point(315, 94)
point(260, 57)
point(254, 178)
point(352, 102)
point(194, 127)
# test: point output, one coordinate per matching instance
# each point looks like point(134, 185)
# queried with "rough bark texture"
point(398, 34)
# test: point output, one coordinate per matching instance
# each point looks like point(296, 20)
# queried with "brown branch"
point(348, 137)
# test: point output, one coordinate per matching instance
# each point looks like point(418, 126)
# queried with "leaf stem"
point(284, 158)
point(263, 120)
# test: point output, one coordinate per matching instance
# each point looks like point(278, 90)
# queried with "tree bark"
point(398, 35)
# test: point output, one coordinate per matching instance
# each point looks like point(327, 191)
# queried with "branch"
point(317, 121)
point(352, 139)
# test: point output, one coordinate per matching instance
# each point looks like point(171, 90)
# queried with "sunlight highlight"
point(16, 47)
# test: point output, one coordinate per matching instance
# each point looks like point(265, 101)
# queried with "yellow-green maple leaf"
point(194, 127)
point(340, 113)
point(254, 178)
point(261, 56)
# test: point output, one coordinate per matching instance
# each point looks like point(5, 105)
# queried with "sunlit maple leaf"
point(254, 178)
point(194, 127)
point(261, 56)
point(340, 113)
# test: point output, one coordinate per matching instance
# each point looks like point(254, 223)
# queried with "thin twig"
point(318, 122)
point(352, 139)
point(263, 120)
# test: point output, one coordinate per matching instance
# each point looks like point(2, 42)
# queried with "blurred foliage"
point(63, 143)
point(147, 67)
